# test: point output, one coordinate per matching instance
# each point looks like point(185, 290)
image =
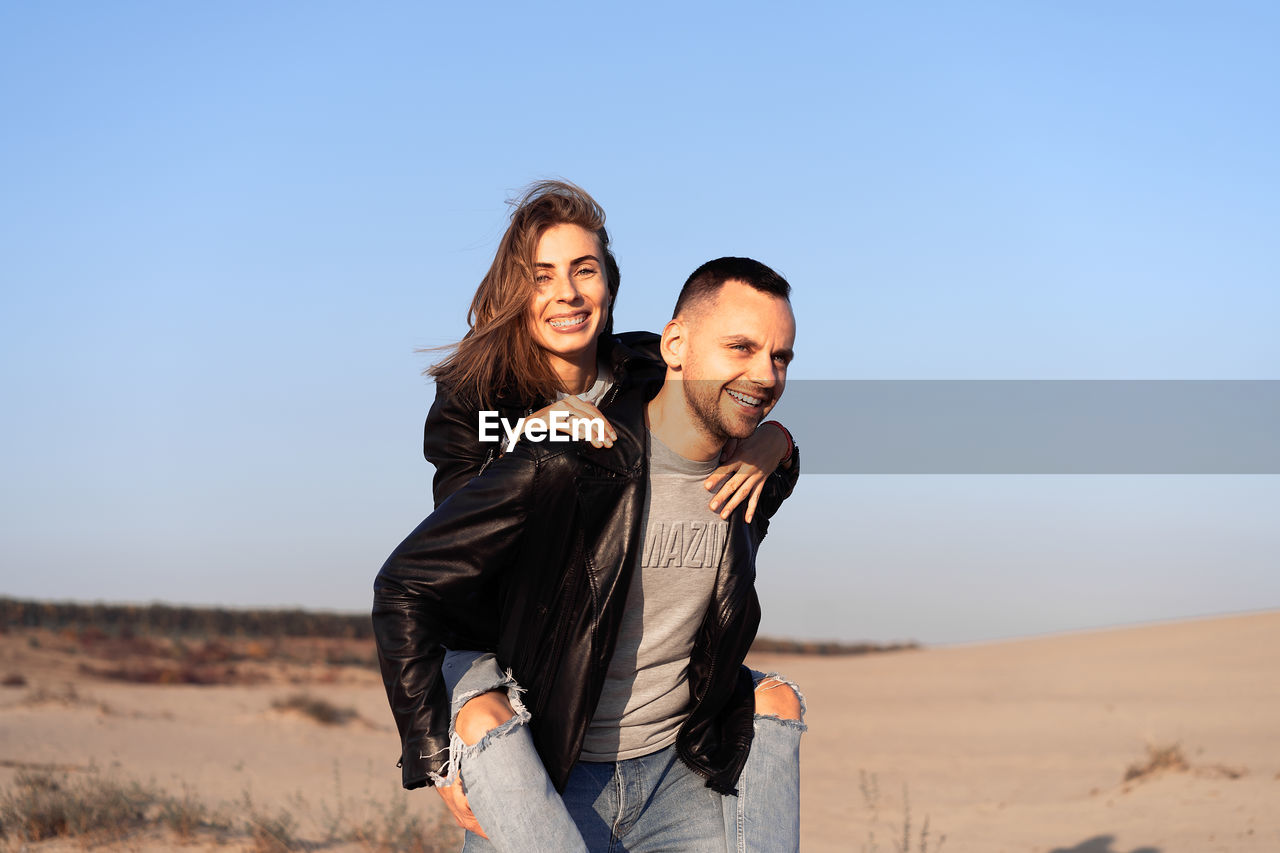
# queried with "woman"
point(541, 340)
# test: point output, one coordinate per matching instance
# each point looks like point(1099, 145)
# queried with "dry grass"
point(42, 805)
point(97, 809)
point(904, 841)
point(67, 696)
point(146, 672)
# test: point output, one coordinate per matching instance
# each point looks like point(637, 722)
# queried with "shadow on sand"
point(1101, 844)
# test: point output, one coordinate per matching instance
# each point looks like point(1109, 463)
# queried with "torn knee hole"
point(776, 698)
point(481, 715)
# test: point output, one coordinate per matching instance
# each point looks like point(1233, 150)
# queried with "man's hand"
point(456, 801)
point(744, 467)
point(579, 409)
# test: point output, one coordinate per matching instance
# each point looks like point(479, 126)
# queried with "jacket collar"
point(626, 413)
point(632, 356)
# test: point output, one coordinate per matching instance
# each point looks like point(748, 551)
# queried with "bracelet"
point(791, 442)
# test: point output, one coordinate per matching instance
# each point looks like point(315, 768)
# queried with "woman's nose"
point(566, 290)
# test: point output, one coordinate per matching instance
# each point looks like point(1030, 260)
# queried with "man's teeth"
point(566, 322)
point(744, 399)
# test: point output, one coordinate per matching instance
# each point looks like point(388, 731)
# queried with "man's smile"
point(745, 400)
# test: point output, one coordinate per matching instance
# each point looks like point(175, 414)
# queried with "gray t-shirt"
point(646, 692)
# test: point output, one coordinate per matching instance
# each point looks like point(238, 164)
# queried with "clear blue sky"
point(225, 227)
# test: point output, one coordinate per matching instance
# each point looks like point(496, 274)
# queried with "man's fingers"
point(754, 499)
point(730, 496)
point(716, 479)
point(731, 493)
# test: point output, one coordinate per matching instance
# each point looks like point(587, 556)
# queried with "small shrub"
point(317, 709)
point(15, 679)
point(1159, 758)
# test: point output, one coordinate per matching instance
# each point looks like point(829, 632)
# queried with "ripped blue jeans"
point(514, 801)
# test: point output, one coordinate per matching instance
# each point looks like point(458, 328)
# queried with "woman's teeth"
point(744, 399)
point(568, 322)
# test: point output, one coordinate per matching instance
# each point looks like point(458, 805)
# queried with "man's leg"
point(765, 816)
point(492, 752)
point(651, 804)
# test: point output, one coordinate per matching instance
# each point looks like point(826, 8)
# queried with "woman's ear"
point(674, 343)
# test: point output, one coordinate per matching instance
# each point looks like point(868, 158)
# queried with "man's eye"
point(740, 347)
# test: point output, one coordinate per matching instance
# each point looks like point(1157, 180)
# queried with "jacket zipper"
point(689, 759)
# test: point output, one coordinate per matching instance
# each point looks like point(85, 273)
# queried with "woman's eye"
point(586, 271)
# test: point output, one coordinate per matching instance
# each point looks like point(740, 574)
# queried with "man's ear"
point(674, 343)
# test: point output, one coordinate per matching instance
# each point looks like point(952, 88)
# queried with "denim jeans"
point(654, 802)
point(765, 815)
point(506, 785)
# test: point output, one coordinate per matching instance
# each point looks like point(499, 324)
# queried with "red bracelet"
point(791, 442)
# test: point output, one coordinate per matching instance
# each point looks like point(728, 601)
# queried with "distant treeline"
point(823, 647)
point(169, 620)
point(173, 621)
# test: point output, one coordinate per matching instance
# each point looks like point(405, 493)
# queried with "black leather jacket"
point(535, 557)
point(450, 438)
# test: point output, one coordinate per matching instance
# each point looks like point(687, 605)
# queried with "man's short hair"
point(707, 280)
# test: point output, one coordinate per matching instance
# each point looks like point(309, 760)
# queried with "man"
point(625, 606)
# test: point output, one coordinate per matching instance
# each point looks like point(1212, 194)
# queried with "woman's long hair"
point(499, 355)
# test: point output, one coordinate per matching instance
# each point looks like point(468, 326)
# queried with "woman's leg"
point(492, 752)
point(765, 816)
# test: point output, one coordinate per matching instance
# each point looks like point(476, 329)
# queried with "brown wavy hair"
point(499, 356)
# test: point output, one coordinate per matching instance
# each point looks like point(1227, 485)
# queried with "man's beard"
point(704, 400)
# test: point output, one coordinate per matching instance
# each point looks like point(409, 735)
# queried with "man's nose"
point(764, 370)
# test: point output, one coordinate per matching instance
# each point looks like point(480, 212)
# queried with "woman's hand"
point(579, 410)
point(744, 467)
point(456, 802)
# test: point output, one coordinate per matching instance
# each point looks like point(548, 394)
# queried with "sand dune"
point(1024, 746)
point(1014, 746)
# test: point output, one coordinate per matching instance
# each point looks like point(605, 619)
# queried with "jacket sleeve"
point(450, 443)
point(434, 585)
point(776, 490)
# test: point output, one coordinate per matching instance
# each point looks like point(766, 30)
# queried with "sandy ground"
point(1015, 746)
point(1023, 746)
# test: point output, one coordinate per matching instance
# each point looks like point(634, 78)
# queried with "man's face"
point(734, 362)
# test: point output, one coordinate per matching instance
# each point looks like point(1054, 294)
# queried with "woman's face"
point(570, 302)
